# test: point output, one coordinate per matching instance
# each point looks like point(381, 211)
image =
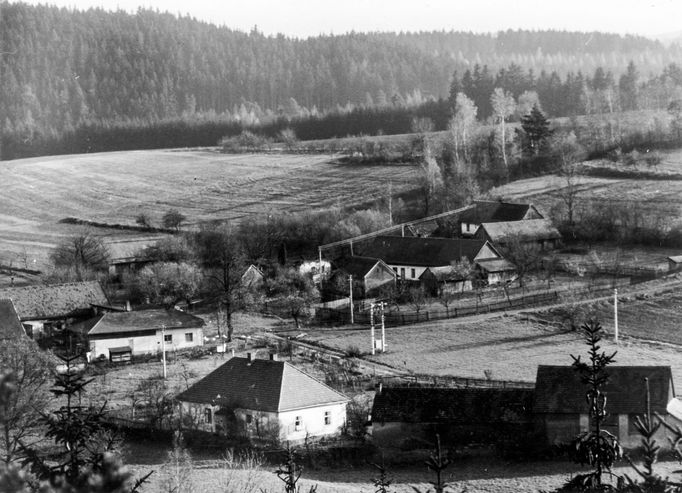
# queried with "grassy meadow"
point(508, 346)
point(204, 185)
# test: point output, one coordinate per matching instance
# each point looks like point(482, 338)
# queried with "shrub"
point(353, 351)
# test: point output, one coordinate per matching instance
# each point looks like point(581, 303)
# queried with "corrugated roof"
point(47, 301)
point(420, 251)
point(495, 211)
point(262, 385)
point(464, 406)
point(531, 229)
point(10, 325)
point(558, 389)
point(135, 321)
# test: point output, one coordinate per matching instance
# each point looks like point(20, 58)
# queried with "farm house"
point(118, 336)
point(486, 211)
point(46, 310)
point(561, 410)
point(263, 400)
point(409, 257)
point(539, 232)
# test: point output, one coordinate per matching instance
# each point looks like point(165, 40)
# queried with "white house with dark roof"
point(264, 400)
point(117, 336)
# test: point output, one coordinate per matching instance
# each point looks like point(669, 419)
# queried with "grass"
point(644, 318)
point(509, 346)
point(204, 185)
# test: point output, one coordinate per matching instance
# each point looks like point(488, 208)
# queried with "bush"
point(353, 351)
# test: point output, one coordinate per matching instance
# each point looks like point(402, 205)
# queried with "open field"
point(655, 318)
point(204, 185)
point(657, 195)
point(508, 346)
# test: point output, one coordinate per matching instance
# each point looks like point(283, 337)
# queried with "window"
point(208, 415)
point(327, 417)
point(249, 419)
point(168, 338)
point(298, 423)
point(395, 269)
point(402, 272)
point(189, 337)
point(413, 273)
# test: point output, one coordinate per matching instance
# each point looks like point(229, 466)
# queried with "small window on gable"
point(327, 417)
point(168, 338)
point(413, 273)
point(189, 337)
point(249, 419)
point(208, 415)
point(298, 423)
point(402, 272)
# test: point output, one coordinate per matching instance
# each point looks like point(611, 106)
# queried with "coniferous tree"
point(535, 132)
point(596, 447)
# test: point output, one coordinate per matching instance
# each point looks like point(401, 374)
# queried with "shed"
point(409, 417)
point(561, 409)
point(675, 263)
point(534, 231)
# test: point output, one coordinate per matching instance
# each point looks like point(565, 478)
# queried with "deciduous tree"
point(503, 107)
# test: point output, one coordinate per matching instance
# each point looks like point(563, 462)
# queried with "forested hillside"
point(63, 70)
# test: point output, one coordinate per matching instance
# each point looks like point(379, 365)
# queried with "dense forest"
point(78, 81)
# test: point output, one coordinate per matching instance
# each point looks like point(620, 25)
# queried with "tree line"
point(84, 81)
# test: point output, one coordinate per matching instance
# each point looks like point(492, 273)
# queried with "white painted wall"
point(312, 422)
point(148, 343)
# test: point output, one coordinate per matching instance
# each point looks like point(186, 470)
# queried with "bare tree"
point(82, 252)
point(524, 255)
point(21, 410)
point(503, 107)
point(462, 125)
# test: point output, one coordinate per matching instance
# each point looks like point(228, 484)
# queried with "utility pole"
point(383, 328)
point(615, 315)
point(371, 327)
point(163, 349)
point(350, 297)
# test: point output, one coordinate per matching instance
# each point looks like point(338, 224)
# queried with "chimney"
point(249, 357)
point(273, 357)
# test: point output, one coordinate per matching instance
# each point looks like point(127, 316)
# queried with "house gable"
point(10, 325)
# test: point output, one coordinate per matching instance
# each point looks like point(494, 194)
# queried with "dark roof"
point(529, 230)
point(495, 211)
point(122, 322)
point(262, 385)
point(356, 266)
point(558, 389)
point(464, 406)
point(10, 326)
point(54, 300)
point(420, 251)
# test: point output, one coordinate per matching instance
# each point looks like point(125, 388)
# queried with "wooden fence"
point(393, 319)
